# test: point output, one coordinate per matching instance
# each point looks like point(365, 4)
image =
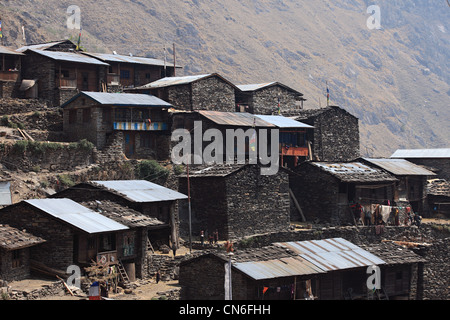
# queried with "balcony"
point(67, 83)
point(9, 75)
point(107, 258)
point(140, 126)
point(294, 151)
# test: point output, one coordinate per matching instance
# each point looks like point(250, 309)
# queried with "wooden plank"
point(66, 286)
point(297, 205)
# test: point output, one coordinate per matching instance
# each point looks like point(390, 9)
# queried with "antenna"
point(174, 60)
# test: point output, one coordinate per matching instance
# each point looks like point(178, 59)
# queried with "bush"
point(65, 180)
point(151, 170)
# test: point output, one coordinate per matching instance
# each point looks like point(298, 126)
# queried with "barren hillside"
point(395, 79)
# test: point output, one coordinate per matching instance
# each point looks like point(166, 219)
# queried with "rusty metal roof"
point(332, 254)
point(354, 172)
point(400, 167)
point(238, 119)
point(277, 268)
point(5, 50)
point(68, 56)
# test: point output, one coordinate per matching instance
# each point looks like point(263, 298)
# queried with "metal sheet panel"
point(142, 190)
point(5, 193)
point(173, 81)
point(254, 87)
point(400, 167)
point(284, 122)
point(69, 56)
point(332, 254)
point(126, 99)
point(277, 268)
point(422, 153)
point(5, 50)
point(77, 215)
point(238, 119)
point(118, 58)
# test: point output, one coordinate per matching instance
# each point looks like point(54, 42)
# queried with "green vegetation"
point(65, 180)
point(39, 147)
point(152, 171)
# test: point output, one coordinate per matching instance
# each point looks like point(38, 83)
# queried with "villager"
point(216, 236)
point(158, 276)
point(211, 239)
point(367, 217)
point(202, 237)
point(417, 219)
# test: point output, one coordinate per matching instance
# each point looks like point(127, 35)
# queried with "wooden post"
point(297, 205)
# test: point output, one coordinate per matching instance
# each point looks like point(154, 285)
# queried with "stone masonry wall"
point(57, 252)
point(213, 94)
point(265, 101)
point(257, 203)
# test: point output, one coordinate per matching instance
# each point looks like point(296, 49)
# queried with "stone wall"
point(257, 203)
point(265, 101)
point(336, 134)
point(213, 94)
point(18, 273)
point(57, 252)
point(442, 166)
point(35, 156)
point(13, 106)
point(9, 89)
point(180, 96)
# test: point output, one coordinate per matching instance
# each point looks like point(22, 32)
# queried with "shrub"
point(65, 180)
point(151, 170)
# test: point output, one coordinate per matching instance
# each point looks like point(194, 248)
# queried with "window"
point(107, 242)
point(72, 116)
point(86, 115)
point(16, 259)
point(65, 74)
point(125, 74)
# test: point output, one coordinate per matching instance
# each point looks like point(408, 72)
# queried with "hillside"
point(396, 79)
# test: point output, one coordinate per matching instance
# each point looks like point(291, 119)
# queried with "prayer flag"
point(1, 34)
point(328, 95)
point(79, 41)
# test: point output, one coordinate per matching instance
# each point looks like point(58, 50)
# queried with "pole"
point(189, 204)
point(229, 272)
point(174, 61)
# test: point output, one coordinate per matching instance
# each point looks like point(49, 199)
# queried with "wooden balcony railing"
point(9, 75)
point(294, 151)
point(140, 126)
point(67, 83)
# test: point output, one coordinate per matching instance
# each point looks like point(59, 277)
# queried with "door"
point(129, 144)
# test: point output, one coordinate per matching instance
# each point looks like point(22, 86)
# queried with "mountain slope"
point(396, 79)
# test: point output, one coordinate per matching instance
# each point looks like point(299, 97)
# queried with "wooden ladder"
point(122, 272)
point(149, 245)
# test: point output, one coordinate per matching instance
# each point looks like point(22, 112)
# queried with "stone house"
point(437, 160)
point(10, 72)
point(336, 133)
point(15, 246)
point(199, 92)
point(412, 181)
point(74, 234)
point(267, 98)
point(242, 202)
point(61, 75)
point(78, 233)
point(293, 144)
point(438, 198)
point(142, 119)
point(132, 71)
point(148, 198)
point(327, 269)
point(326, 190)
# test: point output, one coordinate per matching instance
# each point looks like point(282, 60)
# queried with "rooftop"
point(76, 215)
point(354, 172)
point(283, 122)
point(122, 214)
point(139, 190)
point(400, 167)
point(46, 45)
point(438, 187)
point(13, 239)
point(5, 50)
point(216, 170)
point(239, 119)
point(422, 153)
point(259, 86)
point(68, 56)
point(121, 99)
point(109, 57)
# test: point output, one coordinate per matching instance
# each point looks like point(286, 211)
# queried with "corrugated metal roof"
point(277, 268)
point(107, 57)
point(76, 215)
point(254, 87)
point(41, 46)
point(354, 172)
point(142, 190)
point(69, 56)
point(283, 122)
point(332, 254)
point(400, 167)
point(173, 81)
point(5, 50)
point(422, 153)
point(124, 99)
point(239, 119)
